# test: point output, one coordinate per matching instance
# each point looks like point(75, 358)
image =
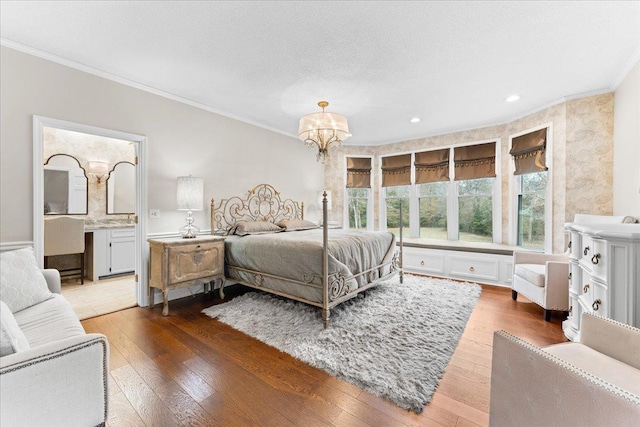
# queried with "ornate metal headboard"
point(263, 203)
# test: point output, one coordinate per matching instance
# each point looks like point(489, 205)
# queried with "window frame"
point(514, 191)
point(452, 194)
point(345, 204)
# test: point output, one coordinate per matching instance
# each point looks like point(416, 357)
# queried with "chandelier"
point(322, 130)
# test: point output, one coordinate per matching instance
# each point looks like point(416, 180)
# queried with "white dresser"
point(604, 266)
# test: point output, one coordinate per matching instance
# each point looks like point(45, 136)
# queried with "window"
point(531, 190)
point(475, 210)
point(432, 199)
point(358, 206)
point(358, 202)
point(394, 196)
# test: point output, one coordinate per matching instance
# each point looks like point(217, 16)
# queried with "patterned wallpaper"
point(582, 159)
point(84, 148)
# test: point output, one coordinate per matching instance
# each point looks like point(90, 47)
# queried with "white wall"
point(230, 155)
point(626, 146)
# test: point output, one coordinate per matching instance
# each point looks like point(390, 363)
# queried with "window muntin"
point(475, 210)
point(532, 188)
point(357, 204)
point(432, 202)
point(393, 197)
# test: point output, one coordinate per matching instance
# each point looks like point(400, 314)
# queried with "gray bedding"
point(297, 255)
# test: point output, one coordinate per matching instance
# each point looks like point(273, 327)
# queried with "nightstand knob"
point(586, 288)
point(595, 259)
point(586, 250)
point(421, 262)
point(472, 269)
point(596, 304)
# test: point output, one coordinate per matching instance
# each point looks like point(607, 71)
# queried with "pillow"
point(296, 224)
point(244, 228)
point(21, 281)
point(12, 339)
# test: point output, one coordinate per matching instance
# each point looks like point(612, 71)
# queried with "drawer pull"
point(595, 259)
point(421, 262)
point(586, 251)
point(570, 276)
point(586, 288)
point(198, 247)
point(471, 269)
point(570, 310)
point(569, 247)
point(596, 304)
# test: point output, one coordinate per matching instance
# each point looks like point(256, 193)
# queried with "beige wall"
point(230, 155)
point(626, 147)
point(581, 128)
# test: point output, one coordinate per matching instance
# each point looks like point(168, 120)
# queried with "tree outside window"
point(394, 196)
point(433, 210)
point(531, 206)
point(475, 210)
point(358, 200)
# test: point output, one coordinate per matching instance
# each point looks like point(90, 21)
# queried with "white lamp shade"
point(190, 193)
point(328, 199)
point(322, 126)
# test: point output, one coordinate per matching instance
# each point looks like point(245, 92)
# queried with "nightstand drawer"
point(189, 262)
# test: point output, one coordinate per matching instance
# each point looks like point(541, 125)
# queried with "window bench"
point(488, 263)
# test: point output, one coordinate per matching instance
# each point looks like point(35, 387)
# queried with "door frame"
point(140, 141)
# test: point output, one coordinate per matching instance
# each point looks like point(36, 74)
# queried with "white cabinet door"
point(122, 245)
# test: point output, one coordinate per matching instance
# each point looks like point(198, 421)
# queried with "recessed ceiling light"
point(415, 120)
point(513, 98)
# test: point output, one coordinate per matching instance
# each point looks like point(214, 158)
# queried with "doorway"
point(110, 218)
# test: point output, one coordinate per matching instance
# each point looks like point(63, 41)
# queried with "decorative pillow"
point(21, 281)
point(12, 339)
point(244, 228)
point(296, 224)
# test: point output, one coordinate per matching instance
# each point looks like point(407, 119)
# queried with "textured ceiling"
point(452, 64)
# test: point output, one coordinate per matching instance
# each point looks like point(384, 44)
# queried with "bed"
point(269, 246)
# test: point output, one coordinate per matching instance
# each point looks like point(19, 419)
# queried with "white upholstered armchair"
point(543, 278)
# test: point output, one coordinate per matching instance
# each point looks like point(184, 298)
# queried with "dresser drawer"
point(575, 245)
point(189, 262)
point(475, 269)
point(600, 303)
point(586, 251)
point(586, 286)
point(575, 278)
point(598, 259)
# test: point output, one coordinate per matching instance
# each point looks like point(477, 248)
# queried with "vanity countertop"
point(91, 225)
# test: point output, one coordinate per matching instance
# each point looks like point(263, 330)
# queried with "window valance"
point(358, 172)
point(528, 152)
point(396, 170)
point(475, 161)
point(432, 166)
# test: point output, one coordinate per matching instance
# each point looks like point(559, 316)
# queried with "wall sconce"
point(190, 198)
point(98, 169)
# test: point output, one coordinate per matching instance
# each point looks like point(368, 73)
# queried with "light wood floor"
point(187, 369)
point(102, 297)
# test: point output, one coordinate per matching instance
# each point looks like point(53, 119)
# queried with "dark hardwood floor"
point(187, 369)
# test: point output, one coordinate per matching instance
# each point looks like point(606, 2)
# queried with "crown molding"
point(633, 60)
point(115, 78)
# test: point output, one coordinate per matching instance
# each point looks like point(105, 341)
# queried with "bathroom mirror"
point(65, 186)
point(121, 189)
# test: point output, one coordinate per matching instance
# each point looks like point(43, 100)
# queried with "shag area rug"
point(394, 341)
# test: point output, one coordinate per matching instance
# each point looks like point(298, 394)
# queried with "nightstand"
point(179, 263)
